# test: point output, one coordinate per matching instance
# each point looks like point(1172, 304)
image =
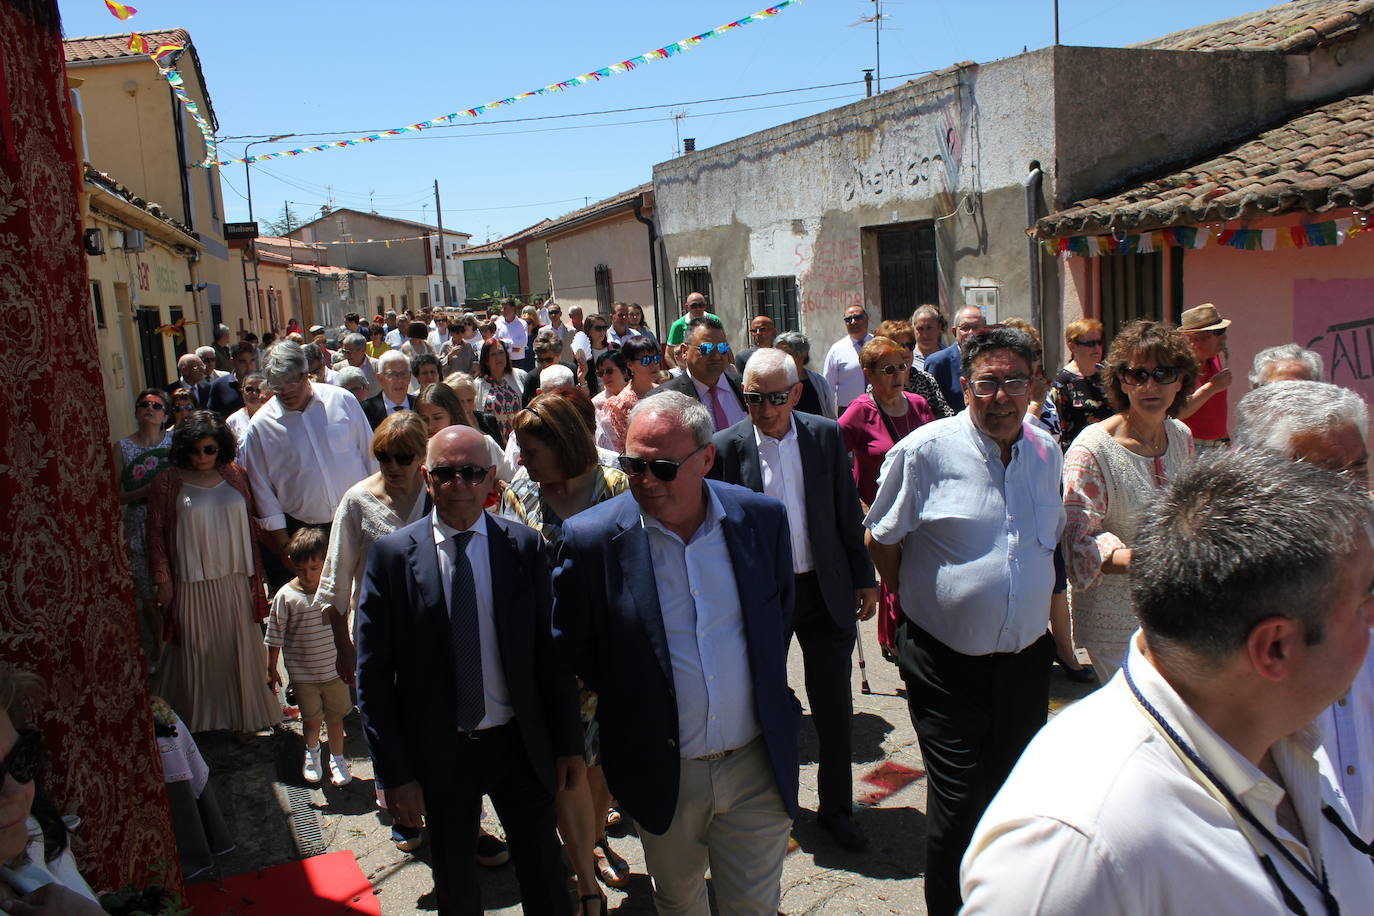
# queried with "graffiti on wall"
point(1333, 317)
point(832, 275)
point(916, 172)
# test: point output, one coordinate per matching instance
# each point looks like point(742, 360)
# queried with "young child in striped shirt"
point(307, 639)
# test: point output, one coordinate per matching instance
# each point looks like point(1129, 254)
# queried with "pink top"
point(617, 413)
point(868, 437)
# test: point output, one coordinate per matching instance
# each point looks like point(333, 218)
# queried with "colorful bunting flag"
point(1311, 235)
point(120, 11)
point(623, 66)
point(137, 44)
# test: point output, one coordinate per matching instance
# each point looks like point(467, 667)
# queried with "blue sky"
point(347, 67)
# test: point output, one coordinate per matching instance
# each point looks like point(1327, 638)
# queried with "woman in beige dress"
point(207, 576)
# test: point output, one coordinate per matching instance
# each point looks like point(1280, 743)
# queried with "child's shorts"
point(327, 700)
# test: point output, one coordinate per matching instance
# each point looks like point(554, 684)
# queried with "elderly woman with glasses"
point(918, 381)
point(645, 362)
point(1076, 391)
point(561, 477)
point(138, 460)
point(1114, 471)
point(611, 375)
point(208, 575)
point(871, 425)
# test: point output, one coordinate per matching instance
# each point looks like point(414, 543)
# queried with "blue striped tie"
point(467, 638)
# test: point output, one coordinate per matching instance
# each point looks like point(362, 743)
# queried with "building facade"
point(605, 253)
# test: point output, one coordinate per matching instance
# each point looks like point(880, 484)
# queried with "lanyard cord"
point(1237, 807)
point(1360, 845)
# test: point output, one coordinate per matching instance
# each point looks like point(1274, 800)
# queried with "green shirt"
point(678, 330)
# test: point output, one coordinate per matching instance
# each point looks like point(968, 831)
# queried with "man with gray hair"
point(353, 347)
point(1193, 782)
point(801, 460)
point(1325, 425)
point(209, 359)
point(303, 449)
point(352, 380)
point(674, 603)
point(393, 370)
point(1286, 363)
point(191, 376)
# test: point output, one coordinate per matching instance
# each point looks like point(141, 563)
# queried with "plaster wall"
point(950, 151)
point(621, 243)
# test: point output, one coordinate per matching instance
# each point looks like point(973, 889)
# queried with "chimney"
point(689, 144)
point(868, 84)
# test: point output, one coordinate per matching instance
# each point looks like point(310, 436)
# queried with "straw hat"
point(1203, 317)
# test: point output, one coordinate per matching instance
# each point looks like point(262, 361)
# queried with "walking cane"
point(863, 665)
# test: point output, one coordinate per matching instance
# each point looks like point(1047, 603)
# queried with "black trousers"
point(974, 715)
point(496, 764)
point(278, 572)
point(826, 659)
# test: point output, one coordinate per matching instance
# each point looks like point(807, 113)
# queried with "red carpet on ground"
point(328, 884)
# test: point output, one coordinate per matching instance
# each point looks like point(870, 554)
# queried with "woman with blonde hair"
point(1076, 390)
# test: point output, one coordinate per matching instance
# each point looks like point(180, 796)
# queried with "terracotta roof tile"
point(111, 47)
point(1321, 160)
point(1288, 27)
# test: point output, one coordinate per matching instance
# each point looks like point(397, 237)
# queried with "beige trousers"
point(729, 816)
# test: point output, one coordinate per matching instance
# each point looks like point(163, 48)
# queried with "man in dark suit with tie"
point(226, 392)
point(673, 602)
point(800, 459)
point(393, 372)
point(705, 378)
point(191, 376)
point(461, 691)
point(946, 365)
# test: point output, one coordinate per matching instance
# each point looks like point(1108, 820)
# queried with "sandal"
point(582, 903)
point(611, 867)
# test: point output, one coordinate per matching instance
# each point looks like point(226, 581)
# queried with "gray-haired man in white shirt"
point(1193, 782)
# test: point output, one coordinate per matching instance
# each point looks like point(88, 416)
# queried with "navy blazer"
point(833, 522)
point(608, 624)
point(947, 369)
point(406, 685)
point(682, 384)
point(225, 395)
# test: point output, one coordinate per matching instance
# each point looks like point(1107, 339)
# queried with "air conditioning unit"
point(94, 240)
point(133, 240)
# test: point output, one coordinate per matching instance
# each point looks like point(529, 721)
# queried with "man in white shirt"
point(801, 460)
point(303, 449)
point(841, 368)
point(1193, 781)
point(708, 354)
point(620, 329)
point(395, 325)
point(511, 328)
point(577, 352)
point(964, 526)
point(1325, 425)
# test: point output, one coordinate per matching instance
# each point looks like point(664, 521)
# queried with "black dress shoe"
point(844, 830)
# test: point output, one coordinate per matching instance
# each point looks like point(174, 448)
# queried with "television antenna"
point(877, 18)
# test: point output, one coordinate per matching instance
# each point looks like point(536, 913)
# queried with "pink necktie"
point(718, 412)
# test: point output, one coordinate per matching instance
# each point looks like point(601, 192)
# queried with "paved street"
point(257, 786)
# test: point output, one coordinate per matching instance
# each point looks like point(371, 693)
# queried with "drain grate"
point(305, 822)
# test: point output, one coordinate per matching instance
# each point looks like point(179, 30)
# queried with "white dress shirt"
point(977, 537)
point(842, 370)
point(729, 401)
point(616, 338)
point(515, 333)
point(1348, 736)
point(395, 338)
point(704, 624)
point(499, 710)
point(781, 467)
point(395, 406)
point(1102, 816)
point(238, 424)
point(301, 462)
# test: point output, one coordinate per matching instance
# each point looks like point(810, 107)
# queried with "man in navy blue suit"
point(674, 602)
point(945, 365)
point(461, 690)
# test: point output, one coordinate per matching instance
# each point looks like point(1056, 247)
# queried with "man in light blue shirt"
point(964, 527)
point(674, 603)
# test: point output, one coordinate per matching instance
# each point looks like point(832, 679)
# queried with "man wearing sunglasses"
point(707, 356)
point(841, 367)
point(693, 307)
point(800, 459)
point(461, 690)
point(964, 526)
point(673, 602)
point(1205, 412)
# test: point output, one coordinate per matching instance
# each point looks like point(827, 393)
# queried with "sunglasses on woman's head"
point(24, 758)
point(388, 458)
point(472, 474)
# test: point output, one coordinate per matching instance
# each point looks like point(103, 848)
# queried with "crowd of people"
point(559, 565)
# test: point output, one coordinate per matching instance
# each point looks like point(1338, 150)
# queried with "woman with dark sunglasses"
point(208, 574)
point(1113, 472)
point(1076, 391)
point(138, 459)
point(645, 362)
point(35, 855)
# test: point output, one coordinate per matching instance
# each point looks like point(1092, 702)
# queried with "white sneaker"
point(313, 770)
point(339, 774)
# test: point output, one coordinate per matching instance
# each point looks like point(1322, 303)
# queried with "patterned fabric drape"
point(66, 599)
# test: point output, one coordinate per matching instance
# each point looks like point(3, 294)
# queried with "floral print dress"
point(141, 464)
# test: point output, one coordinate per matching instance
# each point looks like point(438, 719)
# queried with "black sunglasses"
point(472, 474)
point(1095, 342)
point(1219, 332)
point(24, 758)
point(181, 408)
point(663, 469)
point(211, 449)
point(852, 319)
point(151, 405)
point(388, 458)
point(1164, 375)
point(252, 389)
point(776, 398)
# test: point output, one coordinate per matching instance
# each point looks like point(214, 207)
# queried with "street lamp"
point(247, 172)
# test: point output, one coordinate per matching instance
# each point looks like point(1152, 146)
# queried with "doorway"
point(908, 269)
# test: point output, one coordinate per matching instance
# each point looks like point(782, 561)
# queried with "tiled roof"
point(381, 216)
point(505, 241)
point(1288, 27)
point(610, 203)
point(116, 47)
point(109, 183)
point(1320, 160)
